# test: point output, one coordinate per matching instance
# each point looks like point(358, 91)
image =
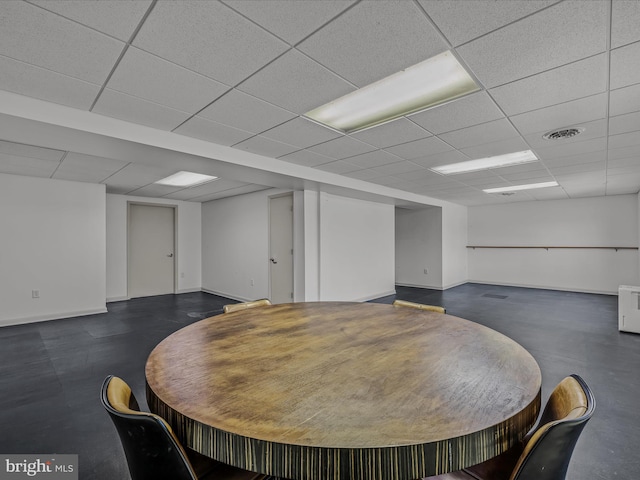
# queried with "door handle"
point(273, 260)
point(169, 254)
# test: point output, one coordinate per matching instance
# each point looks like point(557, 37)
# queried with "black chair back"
point(548, 452)
point(150, 446)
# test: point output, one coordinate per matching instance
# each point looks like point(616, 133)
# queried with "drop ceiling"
point(240, 74)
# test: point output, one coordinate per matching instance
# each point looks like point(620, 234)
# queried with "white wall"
point(52, 239)
point(357, 252)
point(598, 221)
point(188, 253)
point(344, 248)
point(419, 247)
point(454, 245)
point(235, 246)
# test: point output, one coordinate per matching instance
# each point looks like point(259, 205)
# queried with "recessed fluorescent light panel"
point(429, 83)
point(515, 188)
point(506, 160)
point(186, 179)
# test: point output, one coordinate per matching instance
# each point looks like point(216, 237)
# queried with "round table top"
point(301, 390)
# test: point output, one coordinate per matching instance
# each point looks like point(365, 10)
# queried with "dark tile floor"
point(51, 372)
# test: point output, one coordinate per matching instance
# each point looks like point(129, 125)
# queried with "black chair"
point(419, 306)
point(153, 452)
point(234, 307)
point(546, 451)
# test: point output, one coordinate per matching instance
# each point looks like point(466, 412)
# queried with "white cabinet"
point(629, 309)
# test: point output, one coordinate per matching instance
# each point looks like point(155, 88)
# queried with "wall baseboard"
point(539, 287)
point(189, 290)
point(117, 299)
point(373, 297)
point(430, 287)
point(226, 295)
point(54, 316)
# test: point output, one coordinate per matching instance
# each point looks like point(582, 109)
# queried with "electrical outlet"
point(181, 274)
point(252, 282)
point(35, 293)
point(426, 271)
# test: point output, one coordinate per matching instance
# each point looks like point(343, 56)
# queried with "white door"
point(151, 250)
point(281, 248)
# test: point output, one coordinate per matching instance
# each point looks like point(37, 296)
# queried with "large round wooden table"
point(334, 390)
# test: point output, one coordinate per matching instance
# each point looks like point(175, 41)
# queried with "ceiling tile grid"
point(242, 73)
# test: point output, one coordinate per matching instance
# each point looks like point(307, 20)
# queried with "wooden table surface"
point(334, 390)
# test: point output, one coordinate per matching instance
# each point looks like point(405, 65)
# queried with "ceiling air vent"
point(563, 133)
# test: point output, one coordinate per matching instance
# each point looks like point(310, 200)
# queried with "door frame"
point(175, 239)
point(293, 234)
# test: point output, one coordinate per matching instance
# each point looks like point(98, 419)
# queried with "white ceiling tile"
point(342, 147)
point(32, 167)
point(135, 110)
point(557, 150)
point(632, 151)
point(155, 190)
point(623, 162)
point(624, 100)
point(87, 168)
point(30, 151)
point(265, 146)
point(480, 178)
point(625, 66)
point(306, 158)
point(301, 133)
point(198, 127)
point(249, 188)
point(420, 148)
point(628, 170)
point(597, 156)
point(398, 167)
point(33, 35)
point(134, 176)
point(291, 21)
point(624, 123)
point(392, 133)
point(551, 193)
point(572, 169)
point(595, 129)
point(538, 176)
point(614, 189)
point(441, 158)
point(374, 40)
point(583, 191)
point(339, 166)
point(36, 82)
point(567, 114)
point(496, 148)
point(210, 188)
point(365, 174)
point(373, 159)
point(460, 113)
point(209, 38)
point(464, 21)
point(239, 110)
point(624, 140)
point(480, 134)
point(296, 83)
point(570, 82)
point(387, 181)
point(151, 78)
point(118, 18)
point(525, 45)
point(424, 177)
point(621, 184)
point(625, 18)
